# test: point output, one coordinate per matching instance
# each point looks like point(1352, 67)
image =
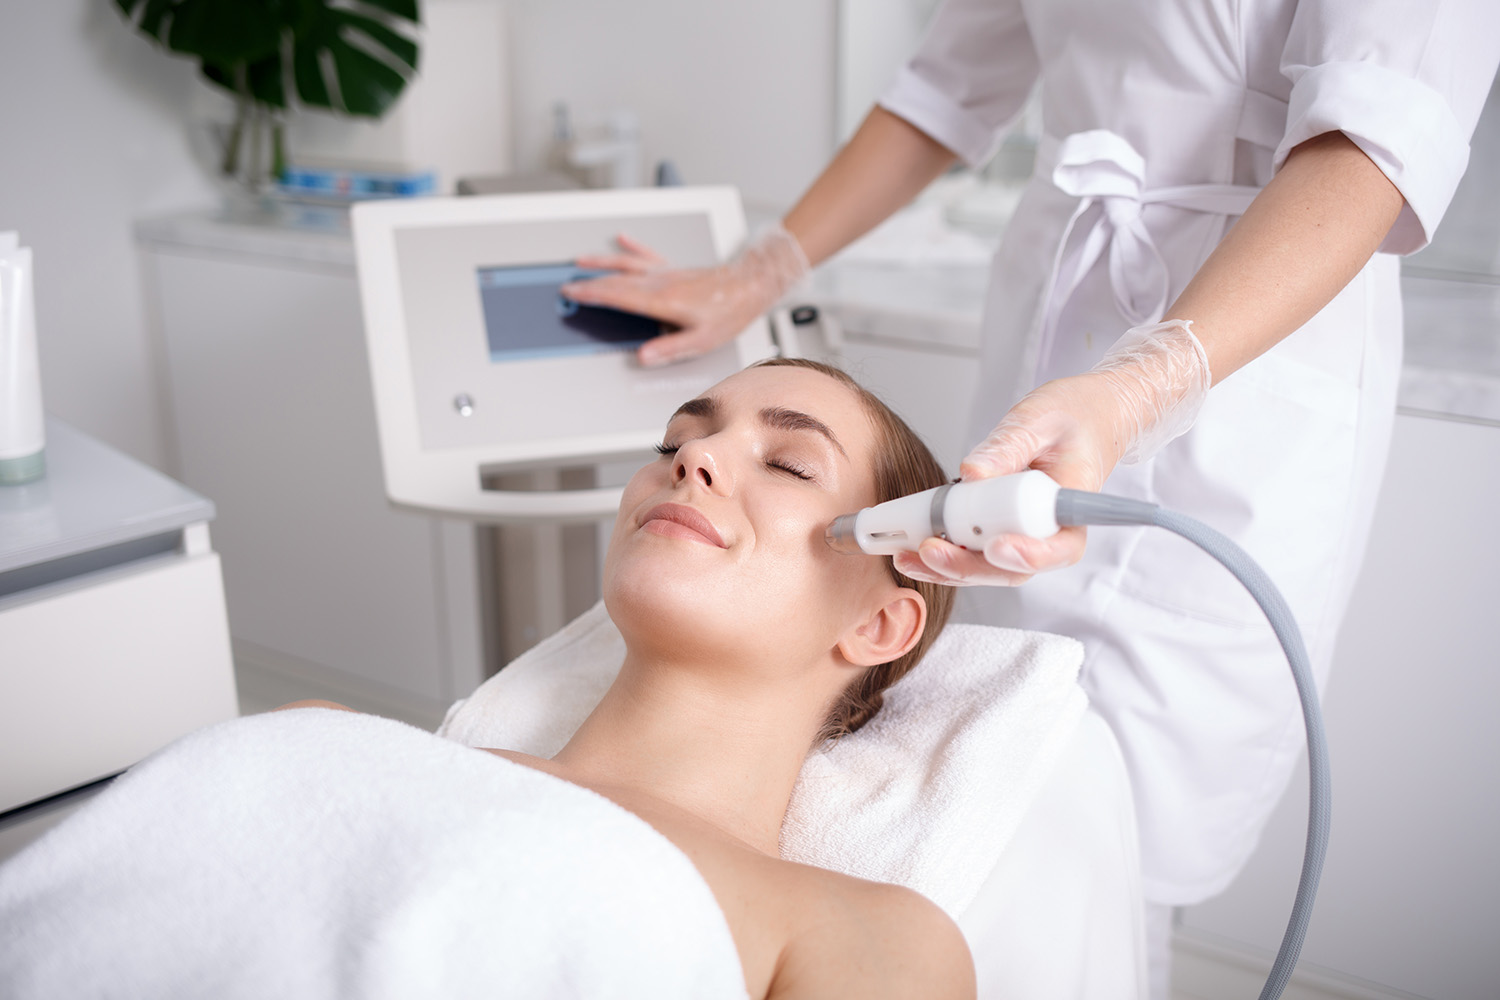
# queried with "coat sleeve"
point(1405, 81)
point(970, 78)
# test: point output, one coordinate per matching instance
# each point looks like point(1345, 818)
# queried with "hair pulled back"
point(903, 465)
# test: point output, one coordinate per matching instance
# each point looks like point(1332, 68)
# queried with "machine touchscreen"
point(525, 315)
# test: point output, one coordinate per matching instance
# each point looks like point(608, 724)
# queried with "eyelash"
point(790, 468)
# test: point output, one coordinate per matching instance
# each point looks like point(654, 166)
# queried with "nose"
point(696, 462)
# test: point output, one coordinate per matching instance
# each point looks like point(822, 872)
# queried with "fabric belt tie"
point(1108, 177)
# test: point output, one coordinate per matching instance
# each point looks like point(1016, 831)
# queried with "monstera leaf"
point(242, 45)
point(345, 55)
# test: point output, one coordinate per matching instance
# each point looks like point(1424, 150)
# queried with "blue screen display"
point(526, 316)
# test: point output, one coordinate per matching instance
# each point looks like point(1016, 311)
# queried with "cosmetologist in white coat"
point(1250, 167)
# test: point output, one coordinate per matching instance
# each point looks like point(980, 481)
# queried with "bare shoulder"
point(893, 942)
point(314, 703)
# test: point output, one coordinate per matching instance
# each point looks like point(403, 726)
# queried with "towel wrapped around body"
point(317, 853)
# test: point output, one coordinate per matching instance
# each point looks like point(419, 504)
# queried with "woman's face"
point(721, 539)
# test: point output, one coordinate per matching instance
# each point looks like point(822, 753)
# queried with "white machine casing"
point(450, 414)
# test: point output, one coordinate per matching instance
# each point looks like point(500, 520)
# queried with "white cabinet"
point(113, 640)
point(331, 593)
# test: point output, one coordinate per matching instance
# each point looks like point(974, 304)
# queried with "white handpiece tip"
point(841, 535)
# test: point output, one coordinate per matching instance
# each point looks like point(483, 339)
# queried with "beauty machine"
point(969, 514)
point(481, 367)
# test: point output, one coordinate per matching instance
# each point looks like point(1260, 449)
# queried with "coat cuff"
point(1422, 149)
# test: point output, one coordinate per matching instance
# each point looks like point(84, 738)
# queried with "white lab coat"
point(1161, 121)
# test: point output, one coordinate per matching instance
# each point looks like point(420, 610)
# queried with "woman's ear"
point(889, 632)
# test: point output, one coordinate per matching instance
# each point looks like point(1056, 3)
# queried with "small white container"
point(22, 433)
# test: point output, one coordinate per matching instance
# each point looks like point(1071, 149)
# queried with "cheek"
point(646, 481)
point(796, 562)
point(641, 486)
point(833, 581)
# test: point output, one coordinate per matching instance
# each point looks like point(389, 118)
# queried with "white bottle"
point(22, 431)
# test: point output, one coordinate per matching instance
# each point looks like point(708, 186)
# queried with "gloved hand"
point(709, 305)
point(1145, 391)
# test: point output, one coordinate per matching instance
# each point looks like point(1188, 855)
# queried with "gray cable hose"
point(1075, 507)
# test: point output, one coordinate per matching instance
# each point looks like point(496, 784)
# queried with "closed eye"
point(791, 468)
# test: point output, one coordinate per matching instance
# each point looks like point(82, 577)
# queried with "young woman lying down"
point(748, 643)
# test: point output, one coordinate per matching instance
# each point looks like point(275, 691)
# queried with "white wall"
point(92, 135)
point(738, 93)
point(1468, 240)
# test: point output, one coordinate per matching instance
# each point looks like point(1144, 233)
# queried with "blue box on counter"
point(354, 183)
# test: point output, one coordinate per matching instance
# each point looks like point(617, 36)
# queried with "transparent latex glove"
point(1145, 391)
point(709, 306)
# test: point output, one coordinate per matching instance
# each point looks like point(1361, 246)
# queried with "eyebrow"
point(795, 420)
point(779, 417)
point(703, 406)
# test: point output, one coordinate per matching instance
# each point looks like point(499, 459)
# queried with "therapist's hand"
point(1146, 391)
point(708, 306)
point(1062, 428)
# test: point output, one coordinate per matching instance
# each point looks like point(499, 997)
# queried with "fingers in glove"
point(614, 262)
point(639, 250)
point(938, 561)
point(672, 347)
point(634, 257)
point(1025, 437)
point(645, 295)
point(1024, 556)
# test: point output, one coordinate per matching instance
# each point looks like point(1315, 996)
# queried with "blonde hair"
point(903, 465)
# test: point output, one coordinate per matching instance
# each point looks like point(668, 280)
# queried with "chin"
point(655, 592)
point(669, 611)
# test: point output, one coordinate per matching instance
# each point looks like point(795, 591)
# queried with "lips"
point(681, 521)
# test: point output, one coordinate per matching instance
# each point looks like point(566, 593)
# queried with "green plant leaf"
point(221, 75)
point(394, 42)
point(266, 82)
point(224, 32)
point(405, 9)
point(151, 22)
point(307, 71)
point(154, 21)
point(240, 43)
point(367, 86)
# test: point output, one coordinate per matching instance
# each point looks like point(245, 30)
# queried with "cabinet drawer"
point(97, 673)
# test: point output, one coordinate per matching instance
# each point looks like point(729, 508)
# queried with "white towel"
point(315, 853)
point(927, 794)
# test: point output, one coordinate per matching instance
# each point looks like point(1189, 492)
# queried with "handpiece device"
point(1030, 503)
point(966, 514)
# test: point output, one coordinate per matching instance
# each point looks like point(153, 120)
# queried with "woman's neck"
point(688, 738)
